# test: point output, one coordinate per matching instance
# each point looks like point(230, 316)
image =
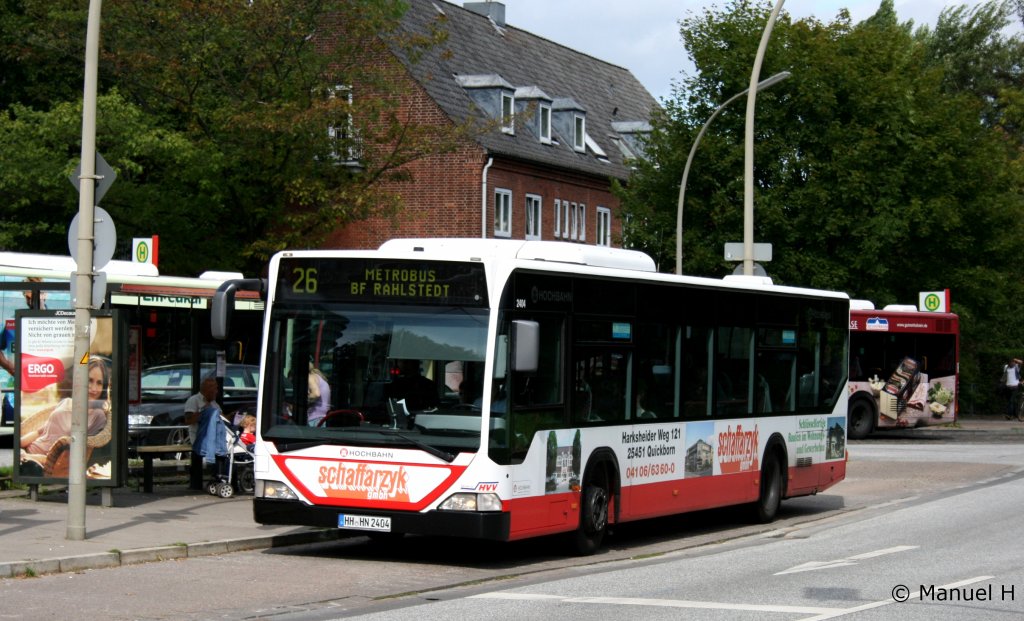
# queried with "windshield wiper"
point(433, 450)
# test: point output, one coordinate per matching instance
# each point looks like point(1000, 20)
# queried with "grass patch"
point(7, 479)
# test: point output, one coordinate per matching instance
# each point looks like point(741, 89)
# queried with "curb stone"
point(17, 569)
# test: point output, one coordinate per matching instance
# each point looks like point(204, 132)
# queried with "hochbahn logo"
point(737, 450)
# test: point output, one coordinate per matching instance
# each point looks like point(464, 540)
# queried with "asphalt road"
point(886, 475)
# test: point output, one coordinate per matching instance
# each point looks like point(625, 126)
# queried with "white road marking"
point(852, 560)
point(664, 603)
point(819, 613)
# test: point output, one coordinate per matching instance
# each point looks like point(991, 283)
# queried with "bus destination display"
point(381, 281)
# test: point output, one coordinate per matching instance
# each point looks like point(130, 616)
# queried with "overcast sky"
point(643, 35)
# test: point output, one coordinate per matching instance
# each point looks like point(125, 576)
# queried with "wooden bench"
point(149, 453)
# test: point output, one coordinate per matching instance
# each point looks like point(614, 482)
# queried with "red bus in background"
point(904, 368)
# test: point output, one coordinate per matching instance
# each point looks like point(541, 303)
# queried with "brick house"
point(563, 125)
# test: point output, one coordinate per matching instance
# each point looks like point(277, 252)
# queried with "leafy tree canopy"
point(236, 128)
point(889, 163)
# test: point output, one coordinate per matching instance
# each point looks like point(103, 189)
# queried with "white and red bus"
point(501, 389)
point(904, 368)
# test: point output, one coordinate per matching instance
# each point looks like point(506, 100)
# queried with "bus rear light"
point(468, 501)
point(274, 490)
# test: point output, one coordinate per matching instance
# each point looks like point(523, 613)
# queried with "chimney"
point(493, 10)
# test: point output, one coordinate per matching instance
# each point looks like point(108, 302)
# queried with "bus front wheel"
point(860, 418)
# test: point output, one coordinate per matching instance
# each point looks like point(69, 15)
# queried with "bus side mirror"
point(525, 345)
point(223, 303)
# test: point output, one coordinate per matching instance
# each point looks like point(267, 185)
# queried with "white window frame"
point(502, 212)
point(579, 124)
point(508, 113)
point(343, 130)
point(558, 218)
point(562, 220)
point(544, 123)
point(604, 226)
point(581, 218)
point(534, 216)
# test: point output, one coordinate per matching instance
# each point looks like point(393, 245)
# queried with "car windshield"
point(395, 376)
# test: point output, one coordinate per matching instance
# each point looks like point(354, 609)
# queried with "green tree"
point(977, 57)
point(248, 91)
point(35, 66)
point(877, 171)
point(41, 199)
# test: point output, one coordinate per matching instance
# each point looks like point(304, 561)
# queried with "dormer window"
point(493, 96)
point(579, 133)
point(632, 138)
point(508, 107)
point(544, 123)
point(533, 107)
point(568, 124)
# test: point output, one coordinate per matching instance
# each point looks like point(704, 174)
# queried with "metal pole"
point(748, 147)
point(83, 283)
point(766, 83)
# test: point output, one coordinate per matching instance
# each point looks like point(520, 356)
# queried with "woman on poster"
point(36, 443)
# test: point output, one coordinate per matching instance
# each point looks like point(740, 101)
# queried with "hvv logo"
point(484, 487)
point(878, 323)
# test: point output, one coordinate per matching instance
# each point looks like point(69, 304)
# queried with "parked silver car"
point(160, 417)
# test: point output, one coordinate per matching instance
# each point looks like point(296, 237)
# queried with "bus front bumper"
point(493, 526)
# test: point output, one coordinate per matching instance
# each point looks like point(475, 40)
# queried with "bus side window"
point(694, 378)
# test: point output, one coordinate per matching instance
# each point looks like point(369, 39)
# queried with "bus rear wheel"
point(594, 503)
point(770, 497)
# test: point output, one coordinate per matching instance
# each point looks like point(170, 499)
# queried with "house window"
point(604, 226)
point(558, 218)
point(502, 213)
point(579, 133)
point(580, 222)
point(563, 219)
point(575, 221)
point(533, 216)
point(508, 105)
point(344, 141)
point(544, 118)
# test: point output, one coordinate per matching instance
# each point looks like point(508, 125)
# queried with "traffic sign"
point(933, 301)
point(105, 176)
point(734, 252)
point(104, 238)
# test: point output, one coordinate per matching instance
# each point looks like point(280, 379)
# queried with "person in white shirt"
point(1011, 386)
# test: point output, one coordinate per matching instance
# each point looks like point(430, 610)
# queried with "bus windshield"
point(375, 376)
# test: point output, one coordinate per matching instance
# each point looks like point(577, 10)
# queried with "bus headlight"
point(468, 501)
point(275, 490)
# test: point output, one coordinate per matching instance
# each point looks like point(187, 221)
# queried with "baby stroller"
point(240, 460)
point(220, 445)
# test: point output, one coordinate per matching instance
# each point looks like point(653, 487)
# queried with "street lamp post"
point(83, 283)
point(766, 83)
point(748, 147)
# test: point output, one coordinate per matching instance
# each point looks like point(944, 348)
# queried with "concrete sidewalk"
point(174, 522)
